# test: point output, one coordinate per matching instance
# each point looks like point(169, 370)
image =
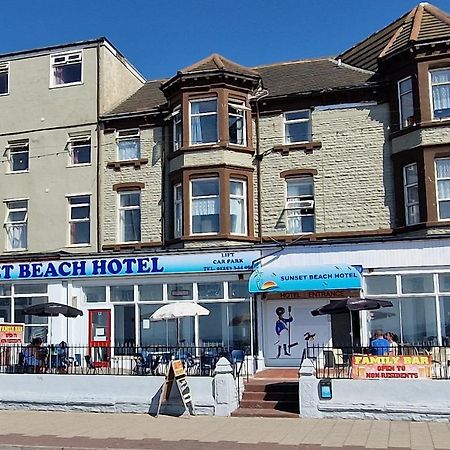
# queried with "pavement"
point(58, 430)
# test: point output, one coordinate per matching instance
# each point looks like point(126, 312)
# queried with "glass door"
point(99, 337)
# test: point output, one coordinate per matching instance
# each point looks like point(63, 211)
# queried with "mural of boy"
point(282, 330)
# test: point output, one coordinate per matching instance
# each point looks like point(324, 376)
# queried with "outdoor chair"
point(440, 357)
point(237, 361)
point(90, 366)
point(334, 359)
point(207, 364)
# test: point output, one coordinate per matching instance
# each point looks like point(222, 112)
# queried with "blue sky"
point(161, 36)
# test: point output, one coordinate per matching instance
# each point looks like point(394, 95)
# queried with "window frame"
point(218, 196)
point(18, 145)
point(125, 137)
point(242, 197)
point(67, 54)
point(5, 67)
point(71, 144)
point(177, 123)
point(402, 123)
point(438, 200)
point(312, 207)
point(198, 100)
point(177, 202)
point(430, 84)
point(7, 223)
point(120, 229)
point(238, 105)
point(292, 121)
point(406, 186)
point(70, 220)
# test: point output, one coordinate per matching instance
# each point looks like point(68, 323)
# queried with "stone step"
point(263, 395)
point(252, 412)
point(270, 404)
point(270, 386)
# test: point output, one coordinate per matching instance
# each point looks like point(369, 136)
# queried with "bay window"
point(130, 216)
point(205, 206)
point(238, 207)
point(300, 205)
point(443, 187)
point(236, 122)
point(178, 210)
point(411, 194)
point(204, 123)
point(406, 105)
point(440, 93)
point(177, 128)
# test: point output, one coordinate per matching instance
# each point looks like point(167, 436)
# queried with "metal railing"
point(117, 360)
point(336, 362)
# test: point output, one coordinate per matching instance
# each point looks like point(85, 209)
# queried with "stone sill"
point(134, 246)
point(305, 146)
point(117, 165)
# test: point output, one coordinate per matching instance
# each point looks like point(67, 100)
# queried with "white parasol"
point(177, 310)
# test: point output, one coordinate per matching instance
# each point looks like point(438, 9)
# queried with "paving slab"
point(379, 434)
point(420, 436)
point(359, 433)
point(399, 436)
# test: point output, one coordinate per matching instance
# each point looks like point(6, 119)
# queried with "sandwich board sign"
point(177, 374)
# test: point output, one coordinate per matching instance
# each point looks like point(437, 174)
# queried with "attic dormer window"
point(66, 69)
point(204, 124)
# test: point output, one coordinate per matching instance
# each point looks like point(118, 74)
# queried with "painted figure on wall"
point(283, 331)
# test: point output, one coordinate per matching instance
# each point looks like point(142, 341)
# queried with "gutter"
point(98, 182)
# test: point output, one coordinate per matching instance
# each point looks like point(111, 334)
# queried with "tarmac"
point(80, 430)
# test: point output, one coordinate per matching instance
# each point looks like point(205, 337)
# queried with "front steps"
point(269, 398)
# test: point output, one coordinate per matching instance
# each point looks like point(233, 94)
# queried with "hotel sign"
point(369, 367)
point(308, 295)
point(136, 265)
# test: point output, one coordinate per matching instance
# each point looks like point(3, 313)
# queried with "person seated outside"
point(62, 357)
point(379, 345)
point(393, 345)
point(34, 356)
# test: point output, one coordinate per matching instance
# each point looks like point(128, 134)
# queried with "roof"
point(315, 75)
point(280, 79)
point(217, 62)
point(146, 98)
point(424, 23)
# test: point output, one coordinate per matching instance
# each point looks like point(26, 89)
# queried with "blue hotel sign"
point(145, 265)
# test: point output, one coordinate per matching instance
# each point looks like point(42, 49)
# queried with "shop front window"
point(5, 310)
point(124, 327)
point(161, 332)
point(417, 283)
point(179, 291)
point(444, 306)
point(207, 291)
point(418, 320)
point(94, 294)
point(150, 292)
point(121, 293)
point(381, 284)
point(387, 319)
point(35, 327)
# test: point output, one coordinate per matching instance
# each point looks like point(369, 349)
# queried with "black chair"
point(237, 361)
point(90, 365)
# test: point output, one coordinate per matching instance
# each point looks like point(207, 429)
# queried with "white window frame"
point(73, 57)
point(239, 105)
point(406, 187)
point(4, 68)
point(286, 122)
point(240, 197)
point(303, 203)
point(17, 145)
point(120, 229)
point(177, 206)
point(191, 231)
point(126, 135)
point(439, 200)
point(196, 100)
point(72, 144)
point(431, 92)
point(70, 220)
point(23, 223)
point(404, 124)
point(175, 114)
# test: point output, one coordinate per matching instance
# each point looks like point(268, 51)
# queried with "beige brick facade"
point(149, 174)
point(353, 186)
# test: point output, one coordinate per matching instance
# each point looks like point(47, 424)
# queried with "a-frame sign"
point(177, 373)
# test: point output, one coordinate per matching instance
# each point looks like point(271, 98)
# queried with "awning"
point(273, 277)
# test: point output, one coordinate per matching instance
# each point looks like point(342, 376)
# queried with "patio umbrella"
point(52, 309)
point(177, 310)
point(349, 304)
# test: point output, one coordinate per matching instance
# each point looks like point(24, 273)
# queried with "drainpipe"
point(98, 152)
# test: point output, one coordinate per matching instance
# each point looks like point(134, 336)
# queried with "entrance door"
point(100, 336)
point(284, 339)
